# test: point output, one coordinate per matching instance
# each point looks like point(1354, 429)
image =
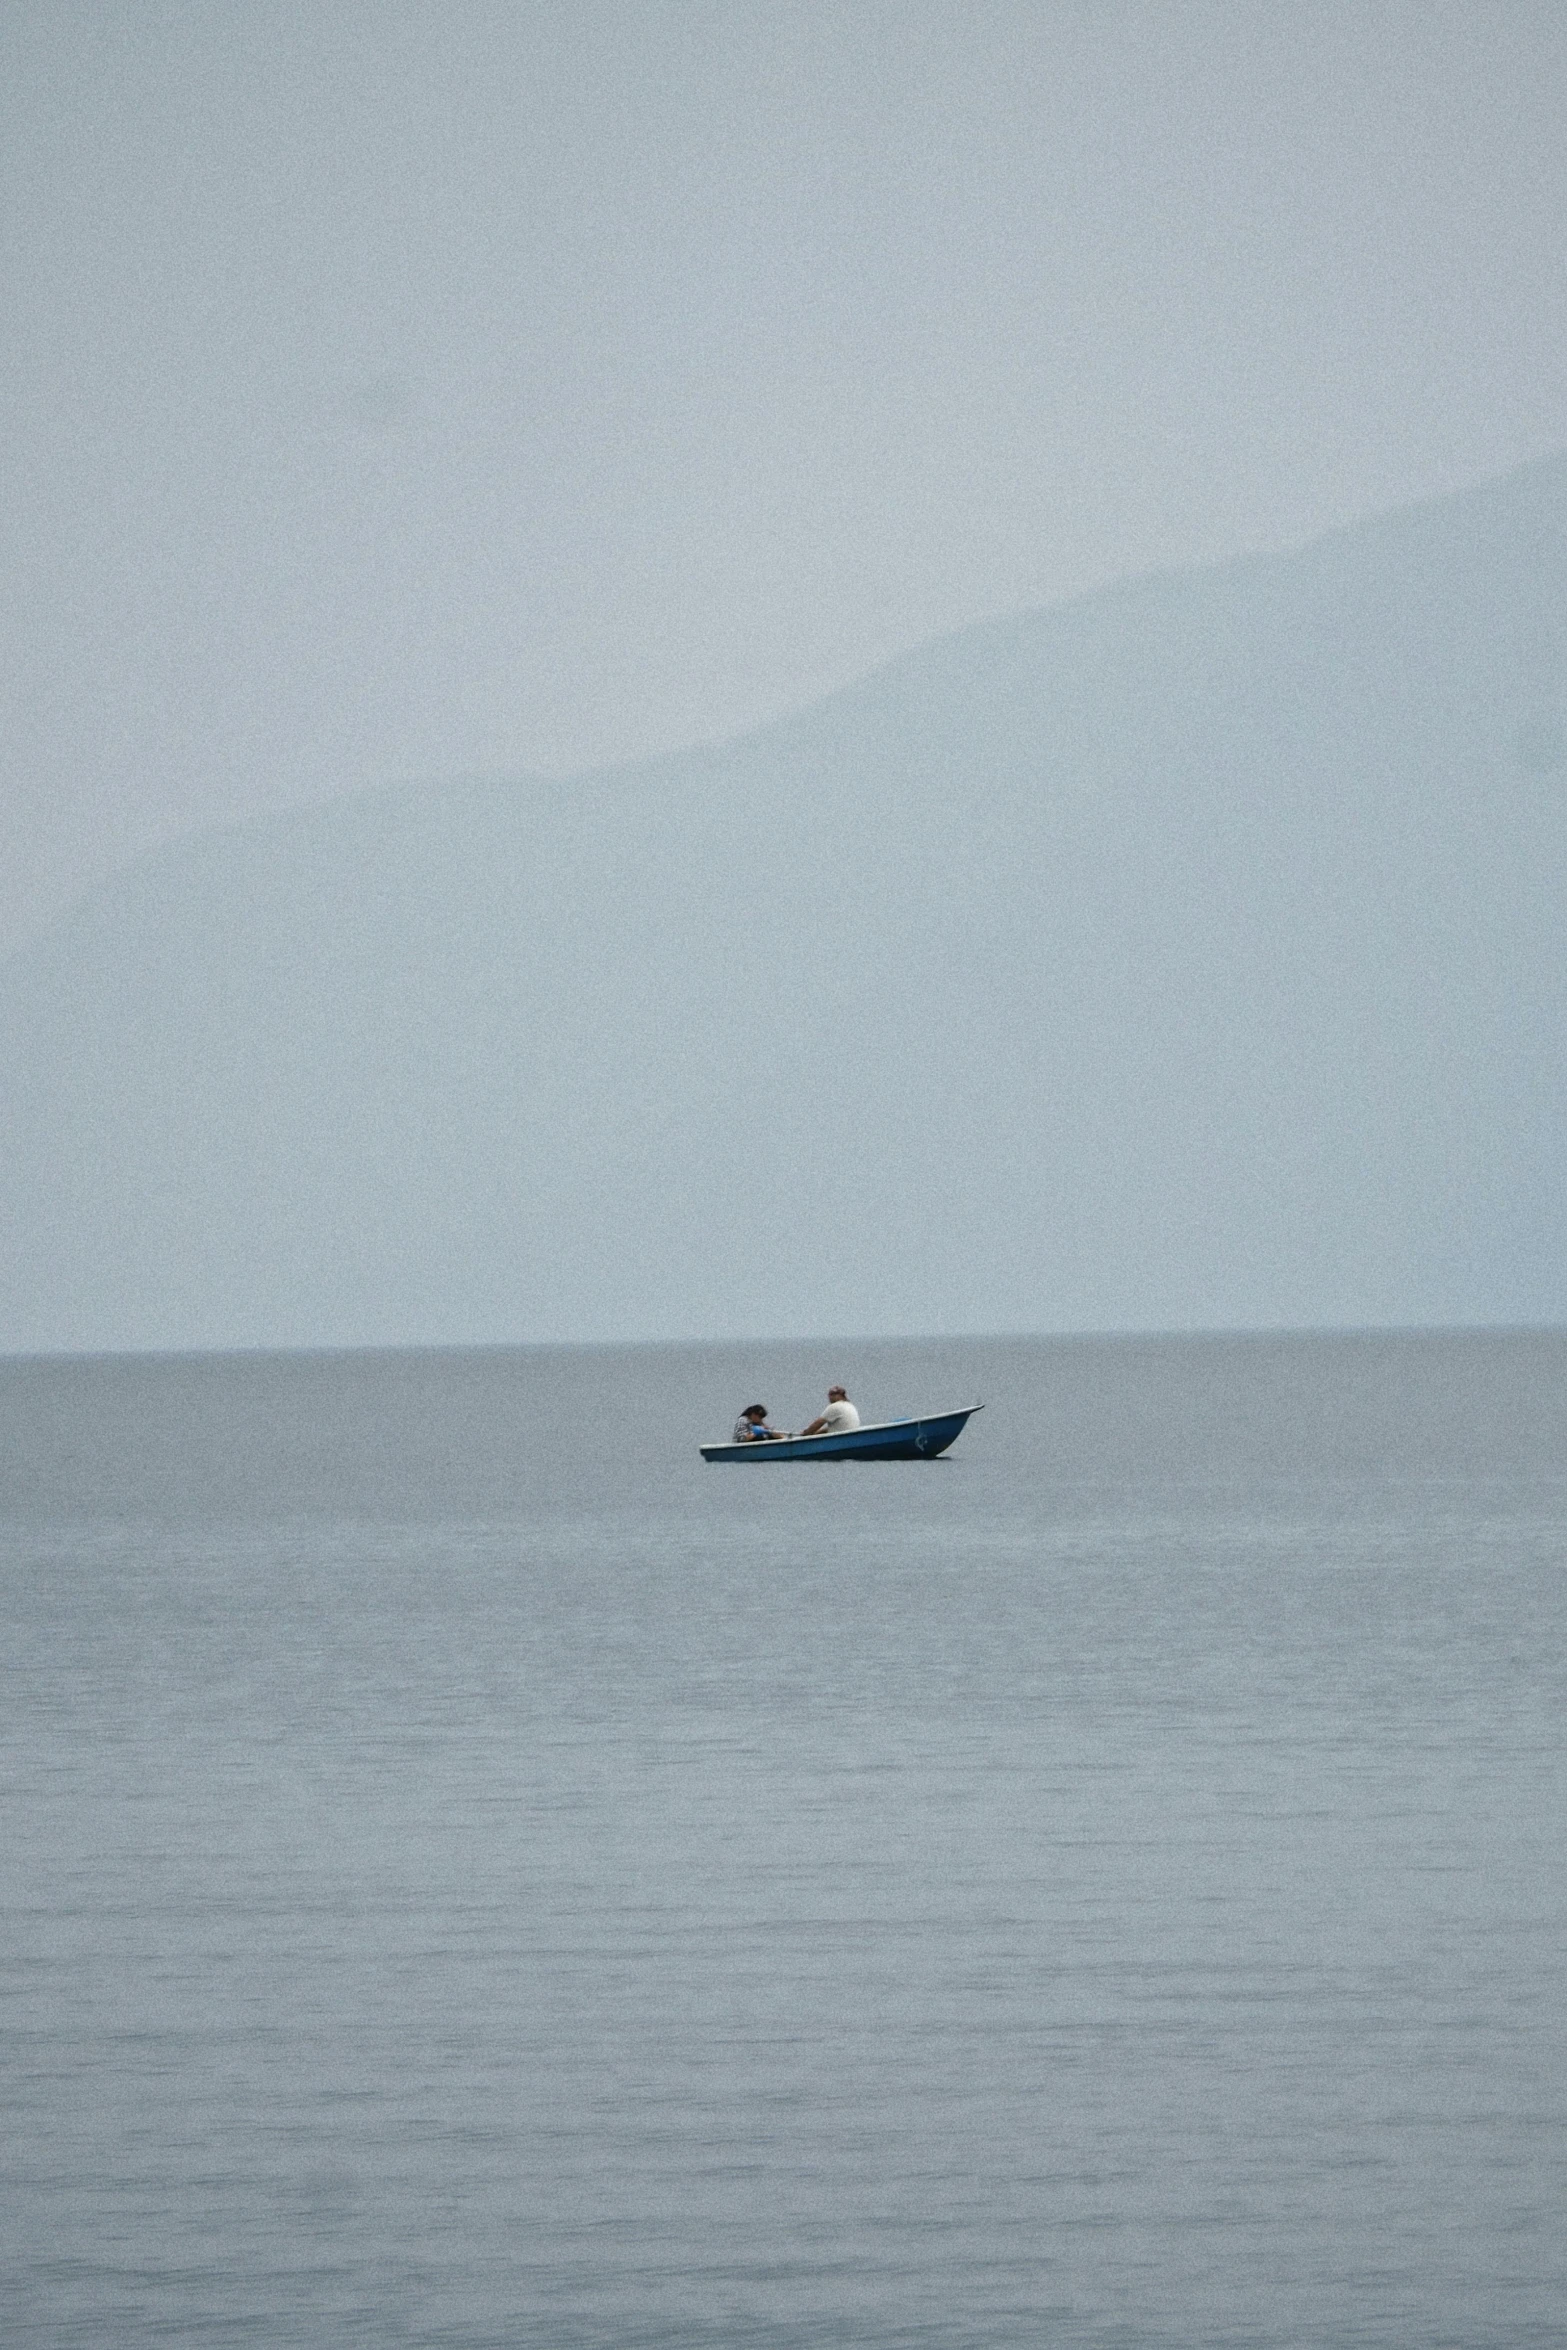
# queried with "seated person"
point(751, 1427)
point(839, 1415)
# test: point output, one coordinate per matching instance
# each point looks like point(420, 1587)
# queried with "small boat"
point(892, 1440)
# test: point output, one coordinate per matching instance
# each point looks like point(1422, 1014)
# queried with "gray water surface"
point(475, 1875)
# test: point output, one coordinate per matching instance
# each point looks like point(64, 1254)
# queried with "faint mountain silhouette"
point(1188, 956)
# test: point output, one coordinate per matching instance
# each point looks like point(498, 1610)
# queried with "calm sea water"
point(476, 1876)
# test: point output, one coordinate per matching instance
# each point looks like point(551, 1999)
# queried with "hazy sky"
point(395, 391)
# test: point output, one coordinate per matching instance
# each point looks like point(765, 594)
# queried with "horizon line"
point(1258, 1333)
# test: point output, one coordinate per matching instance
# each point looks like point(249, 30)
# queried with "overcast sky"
point(397, 391)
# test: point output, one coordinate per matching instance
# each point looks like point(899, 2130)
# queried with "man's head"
point(754, 1411)
point(837, 1395)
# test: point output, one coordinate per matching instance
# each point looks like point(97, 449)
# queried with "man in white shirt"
point(839, 1415)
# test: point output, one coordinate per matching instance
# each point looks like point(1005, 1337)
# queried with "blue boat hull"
point(894, 1440)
